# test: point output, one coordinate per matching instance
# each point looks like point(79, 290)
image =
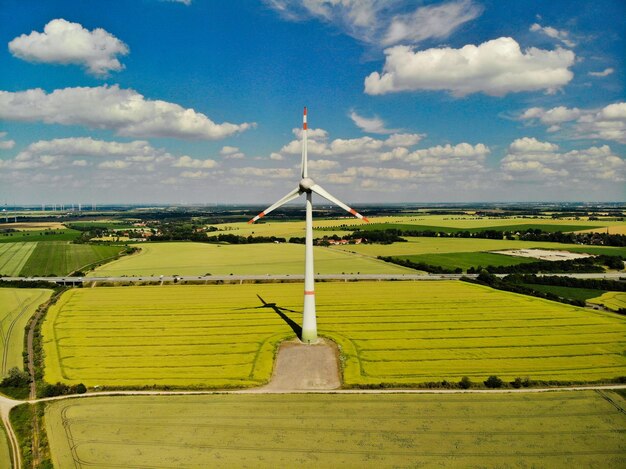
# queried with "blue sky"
point(197, 101)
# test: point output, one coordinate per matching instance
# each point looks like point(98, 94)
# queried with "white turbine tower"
point(308, 186)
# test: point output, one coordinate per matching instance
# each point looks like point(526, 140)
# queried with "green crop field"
point(30, 236)
point(567, 292)
point(199, 259)
point(465, 260)
point(613, 300)
point(5, 454)
point(17, 305)
point(273, 227)
point(418, 246)
point(452, 229)
point(556, 429)
point(13, 257)
point(405, 333)
point(62, 258)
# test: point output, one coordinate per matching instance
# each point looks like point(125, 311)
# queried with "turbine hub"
point(306, 184)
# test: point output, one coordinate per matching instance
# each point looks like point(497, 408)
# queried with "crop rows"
point(62, 258)
point(613, 300)
point(208, 336)
point(17, 305)
point(557, 429)
point(412, 333)
point(13, 256)
point(389, 333)
point(258, 259)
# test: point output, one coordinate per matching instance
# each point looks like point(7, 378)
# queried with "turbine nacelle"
point(306, 184)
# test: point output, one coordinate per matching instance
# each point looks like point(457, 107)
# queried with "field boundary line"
point(609, 387)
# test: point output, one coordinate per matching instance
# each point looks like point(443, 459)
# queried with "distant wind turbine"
point(308, 186)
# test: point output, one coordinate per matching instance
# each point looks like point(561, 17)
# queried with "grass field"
point(567, 292)
point(454, 229)
point(32, 236)
point(199, 259)
point(442, 222)
point(549, 430)
point(613, 300)
point(13, 257)
point(62, 258)
point(405, 333)
point(418, 246)
point(5, 454)
point(17, 305)
point(465, 260)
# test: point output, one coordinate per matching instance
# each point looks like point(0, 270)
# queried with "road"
point(283, 277)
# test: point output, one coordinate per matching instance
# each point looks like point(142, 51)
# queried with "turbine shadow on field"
point(279, 310)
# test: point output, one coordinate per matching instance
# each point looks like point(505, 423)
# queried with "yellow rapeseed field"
point(405, 333)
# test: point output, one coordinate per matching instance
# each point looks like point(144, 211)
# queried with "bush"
point(493, 382)
point(465, 383)
point(517, 383)
point(16, 378)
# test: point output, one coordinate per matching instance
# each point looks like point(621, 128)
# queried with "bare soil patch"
point(543, 254)
point(306, 367)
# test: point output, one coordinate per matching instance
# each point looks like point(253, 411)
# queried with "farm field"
point(556, 429)
point(567, 292)
point(453, 229)
point(260, 259)
point(613, 300)
point(418, 246)
point(404, 333)
point(13, 256)
point(456, 223)
point(5, 454)
point(465, 260)
point(33, 236)
point(62, 258)
point(207, 336)
point(17, 305)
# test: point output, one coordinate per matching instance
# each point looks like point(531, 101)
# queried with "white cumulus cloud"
point(531, 160)
point(64, 42)
point(558, 34)
point(5, 144)
point(607, 123)
point(495, 67)
point(124, 111)
point(382, 22)
point(433, 21)
point(604, 73)
point(189, 162)
point(373, 125)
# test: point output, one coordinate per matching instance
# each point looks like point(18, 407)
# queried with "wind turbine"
point(308, 186)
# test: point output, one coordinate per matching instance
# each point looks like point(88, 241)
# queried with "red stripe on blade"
point(309, 292)
point(352, 211)
point(304, 125)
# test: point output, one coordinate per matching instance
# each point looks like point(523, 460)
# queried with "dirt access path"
point(302, 367)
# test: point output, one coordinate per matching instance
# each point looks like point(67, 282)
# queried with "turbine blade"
point(304, 145)
point(319, 190)
point(289, 197)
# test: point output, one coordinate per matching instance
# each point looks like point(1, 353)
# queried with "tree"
point(465, 383)
point(493, 382)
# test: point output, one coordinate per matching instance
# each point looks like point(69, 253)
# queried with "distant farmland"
point(260, 259)
point(556, 429)
point(405, 333)
point(13, 256)
point(431, 246)
point(28, 259)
